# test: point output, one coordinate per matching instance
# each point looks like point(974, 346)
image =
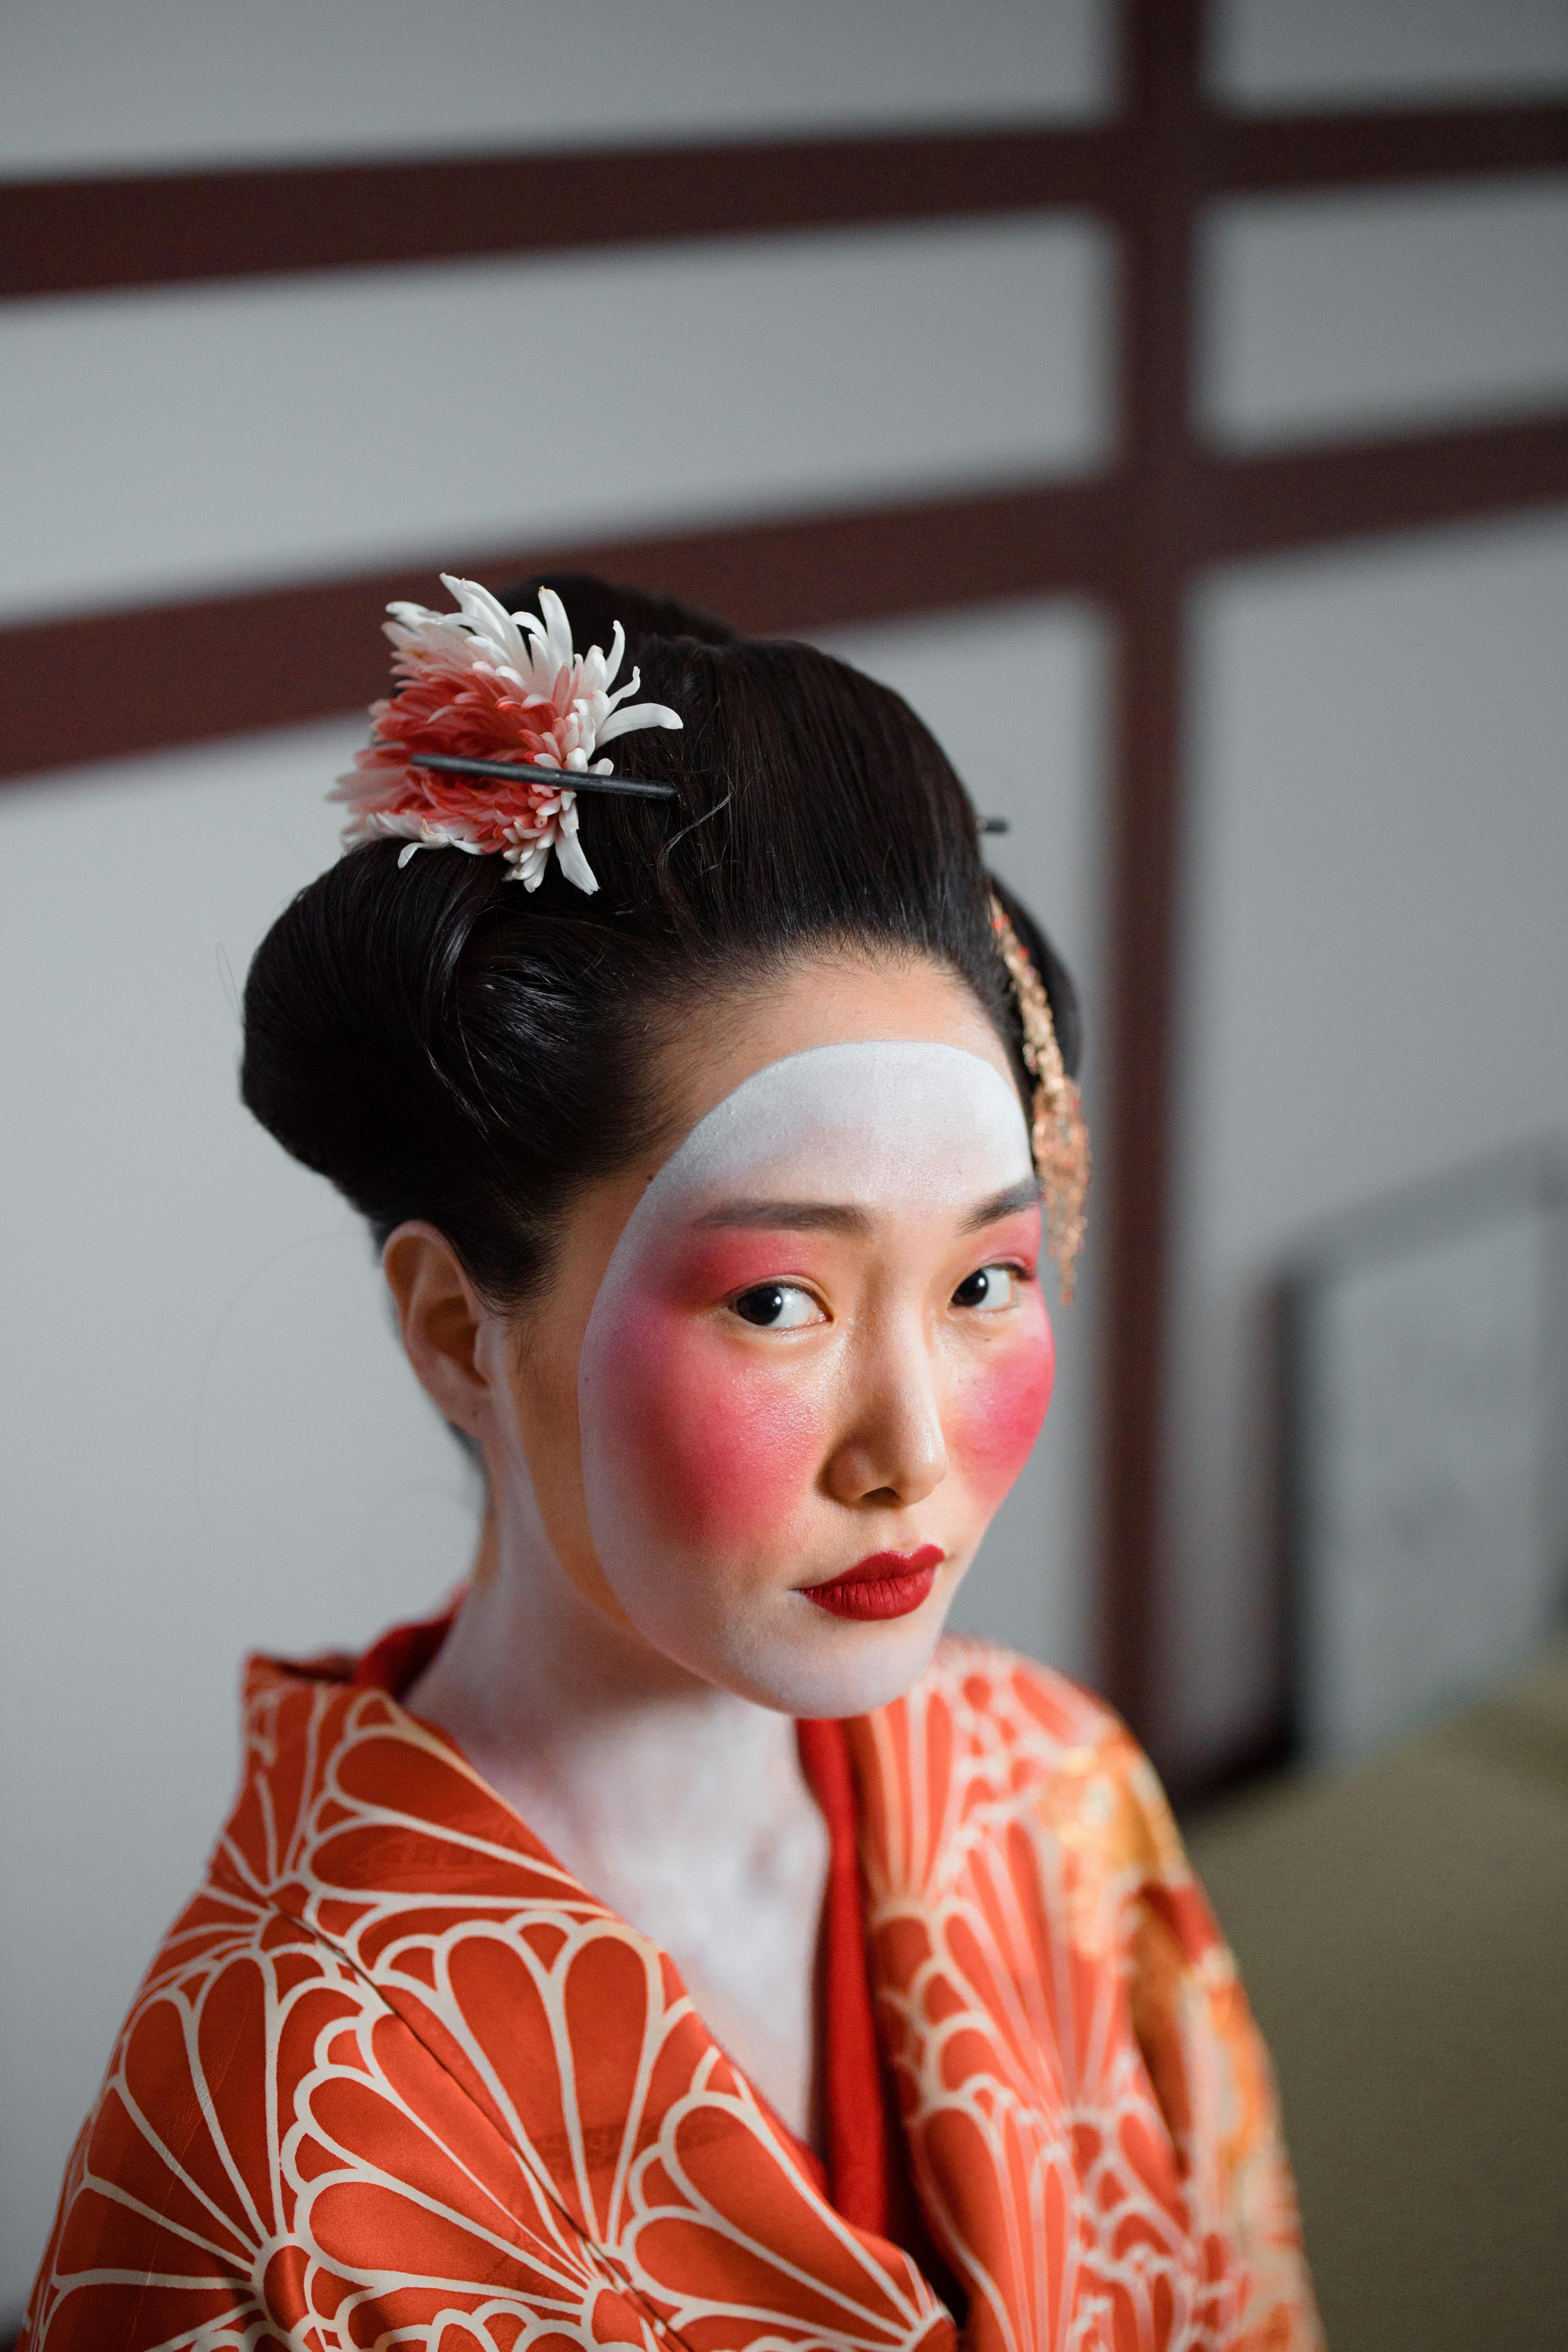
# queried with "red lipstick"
point(887, 1584)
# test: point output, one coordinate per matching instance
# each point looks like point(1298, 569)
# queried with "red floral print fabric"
point(396, 2079)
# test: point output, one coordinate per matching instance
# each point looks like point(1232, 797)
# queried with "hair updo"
point(443, 1044)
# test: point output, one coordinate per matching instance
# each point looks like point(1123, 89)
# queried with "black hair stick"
point(572, 779)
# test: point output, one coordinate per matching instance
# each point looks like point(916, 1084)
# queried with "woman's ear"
point(443, 1319)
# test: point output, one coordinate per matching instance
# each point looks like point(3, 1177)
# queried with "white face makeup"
point(820, 1346)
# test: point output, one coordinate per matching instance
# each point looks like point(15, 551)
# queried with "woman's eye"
point(777, 1306)
point(989, 1289)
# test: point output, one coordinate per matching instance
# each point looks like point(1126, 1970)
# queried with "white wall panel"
point(1340, 314)
point(96, 85)
point(158, 442)
point(208, 1438)
point(1377, 971)
point(1017, 697)
point(1349, 53)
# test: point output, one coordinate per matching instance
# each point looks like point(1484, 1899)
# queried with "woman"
point(672, 1942)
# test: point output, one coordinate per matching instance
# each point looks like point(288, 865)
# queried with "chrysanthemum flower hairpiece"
point(507, 690)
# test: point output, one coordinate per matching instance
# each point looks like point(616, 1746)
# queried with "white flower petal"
point(573, 863)
point(641, 714)
point(557, 629)
point(486, 618)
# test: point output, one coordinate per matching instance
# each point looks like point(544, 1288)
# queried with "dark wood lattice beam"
point(1271, 154)
point(94, 685)
point(98, 686)
point(1161, 71)
point(85, 236)
point(1281, 501)
point(76, 237)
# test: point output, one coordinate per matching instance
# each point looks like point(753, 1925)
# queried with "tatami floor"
point(1402, 1931)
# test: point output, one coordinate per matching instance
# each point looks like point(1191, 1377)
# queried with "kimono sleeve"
point(275, 2159)
point(1206, 2060)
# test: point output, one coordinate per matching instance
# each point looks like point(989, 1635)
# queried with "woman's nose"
point(894, 1450)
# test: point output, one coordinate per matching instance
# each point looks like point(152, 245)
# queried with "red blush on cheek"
point(1002, 1409)
point(713, 1446)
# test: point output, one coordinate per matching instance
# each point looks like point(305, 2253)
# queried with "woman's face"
point(815, 1353)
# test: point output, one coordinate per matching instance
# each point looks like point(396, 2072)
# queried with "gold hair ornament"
point(1057, 1137)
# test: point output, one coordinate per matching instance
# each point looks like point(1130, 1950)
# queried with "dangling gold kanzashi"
point(1059, 1137)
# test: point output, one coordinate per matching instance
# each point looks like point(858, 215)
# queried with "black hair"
point(445, 1044)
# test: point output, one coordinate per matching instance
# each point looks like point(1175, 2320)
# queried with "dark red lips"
point(887, 1584)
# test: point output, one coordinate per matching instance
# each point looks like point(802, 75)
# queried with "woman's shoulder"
point(991, 1704)
point(1019, 1855)
point(980, 1681)
point(988, 1742)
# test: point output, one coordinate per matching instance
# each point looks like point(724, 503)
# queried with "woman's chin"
point(803, 1661)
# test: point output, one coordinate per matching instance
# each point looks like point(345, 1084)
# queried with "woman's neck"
point(573, 1717)
point(681, 1805)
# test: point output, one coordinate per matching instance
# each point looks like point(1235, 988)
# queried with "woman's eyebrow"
point(1023, 1195)
point(844, 1217)
point(791, 1216)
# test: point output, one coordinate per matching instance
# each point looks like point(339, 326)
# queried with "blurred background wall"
point(1173, 404)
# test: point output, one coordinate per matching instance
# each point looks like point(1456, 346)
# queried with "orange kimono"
point(396, 2079)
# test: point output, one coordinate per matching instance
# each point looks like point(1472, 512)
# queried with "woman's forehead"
point(882, 1122)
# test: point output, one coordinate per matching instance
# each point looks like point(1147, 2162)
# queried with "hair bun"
point(443, 1047)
